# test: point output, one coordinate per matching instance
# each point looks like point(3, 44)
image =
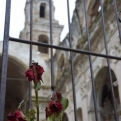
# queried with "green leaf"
point(37, 86)
point(59, 116)
point(65, 103)
point(52, 117)
point(56, 117)
point(32, 113)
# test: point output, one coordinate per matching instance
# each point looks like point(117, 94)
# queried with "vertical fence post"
point(51, 42)
point(4, 59)
point(30, 55)
point(116, 12)
point(72, 65)
point(108, 62)
point(91, 64)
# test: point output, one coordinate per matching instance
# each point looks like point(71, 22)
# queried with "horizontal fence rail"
point(63, 48)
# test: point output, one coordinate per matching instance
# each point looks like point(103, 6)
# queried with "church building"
point(18, 61)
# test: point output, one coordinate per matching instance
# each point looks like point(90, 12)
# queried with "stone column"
point(84, 109)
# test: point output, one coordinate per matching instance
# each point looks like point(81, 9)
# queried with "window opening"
point(42, 10)
point(107, 101)
point(96, 8)
point(79, 112)
point(43, 39)
point(65, 118)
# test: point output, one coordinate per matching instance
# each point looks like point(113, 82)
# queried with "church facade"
point(83, 81)
point(18, 57)
point(19, 60)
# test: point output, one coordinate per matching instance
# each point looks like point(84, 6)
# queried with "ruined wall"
point(81, 62)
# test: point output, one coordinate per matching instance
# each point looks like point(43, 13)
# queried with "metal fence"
point(88, 52)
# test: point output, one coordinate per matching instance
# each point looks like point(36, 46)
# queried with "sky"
point(17, 16)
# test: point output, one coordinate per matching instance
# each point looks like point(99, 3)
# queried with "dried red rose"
point(29, 73)
point(16, 115)
point(34, 73)
point(53, 107)
point(59, 96)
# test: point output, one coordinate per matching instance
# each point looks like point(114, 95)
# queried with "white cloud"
point(17, 16)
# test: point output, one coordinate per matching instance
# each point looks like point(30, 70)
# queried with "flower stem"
point(37, 105)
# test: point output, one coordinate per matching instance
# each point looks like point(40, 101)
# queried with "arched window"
point(93, 11)
point(61, 62)
point(43, 39)
point(42, 10)
point(65, 118)
point(104, 96)
point(79, 114)
point(107, 99)
point(95, 8)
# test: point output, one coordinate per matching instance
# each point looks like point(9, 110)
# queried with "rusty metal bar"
point(30, 56)
point(51, 42)
point(72, 65)
point(91, 64)
point(64, 48)
point(117, 20)
point(4, 59)
point(108, 62)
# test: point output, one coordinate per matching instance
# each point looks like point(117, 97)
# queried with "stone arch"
point(42, 10)
point(79, 114)
point(93, 10)
point(61, 62)
point(16, 86)
point(93, 7)
point(43, 39)
point(65, 118)
point(60, 65)
point(103, 94)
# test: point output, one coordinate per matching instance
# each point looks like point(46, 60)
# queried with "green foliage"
point(37, 86)
point(55, 117)
point(65, 103)
point(32, 113)
point(58, 117)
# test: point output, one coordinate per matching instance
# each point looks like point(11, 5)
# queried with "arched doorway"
point(65, 118)
point(95, 8)
point(43, 39)
point(61, 63)
point(104, 96)
point(93, 11)
point(79, 114)
point(16, 87)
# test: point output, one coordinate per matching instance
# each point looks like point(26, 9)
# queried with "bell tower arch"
point(41, 25)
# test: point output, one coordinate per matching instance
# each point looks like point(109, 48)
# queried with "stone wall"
point(82, 76)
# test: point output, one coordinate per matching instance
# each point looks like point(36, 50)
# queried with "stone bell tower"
point(41, 26)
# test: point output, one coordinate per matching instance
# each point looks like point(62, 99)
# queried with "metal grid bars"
point(70, 49)
point(30, 59)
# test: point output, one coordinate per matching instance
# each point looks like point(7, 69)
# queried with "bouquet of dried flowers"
point(54, 110)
